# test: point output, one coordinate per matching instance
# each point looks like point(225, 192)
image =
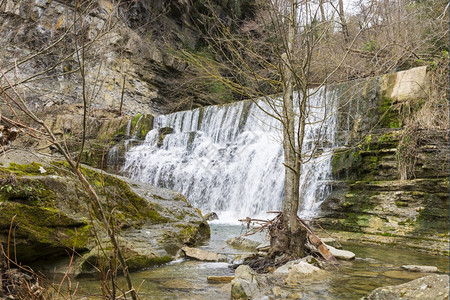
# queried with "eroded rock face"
point(429, 287)
point(382, 192)
point(51, 213)
point(127, 57)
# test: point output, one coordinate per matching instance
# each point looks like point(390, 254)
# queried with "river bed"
point(373, 267)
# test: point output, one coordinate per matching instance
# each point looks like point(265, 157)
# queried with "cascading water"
point(229, 159)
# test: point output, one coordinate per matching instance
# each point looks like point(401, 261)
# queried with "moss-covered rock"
point(49, 213)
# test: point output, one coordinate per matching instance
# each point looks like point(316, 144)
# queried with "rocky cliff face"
point(392, 172)
point(127, 52)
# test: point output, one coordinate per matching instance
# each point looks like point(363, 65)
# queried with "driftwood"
point(312, 237)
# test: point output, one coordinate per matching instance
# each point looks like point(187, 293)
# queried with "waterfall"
point(229, 158)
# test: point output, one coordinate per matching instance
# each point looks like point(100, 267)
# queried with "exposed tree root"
point(281, 242)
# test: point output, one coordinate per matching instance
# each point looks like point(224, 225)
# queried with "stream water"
point(373, 267)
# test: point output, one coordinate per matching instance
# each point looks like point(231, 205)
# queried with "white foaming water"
point(229, 159)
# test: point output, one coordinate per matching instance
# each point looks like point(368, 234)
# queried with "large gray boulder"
point(434, 287)
point(53, 215)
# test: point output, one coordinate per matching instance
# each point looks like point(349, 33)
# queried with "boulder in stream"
point(434, 287)
point(200, 254)
point(423, 269)
point(243, 243)
point(301, 271)
point(211, 216)
point(247, 284)
point(341, 254)
point(53, 215)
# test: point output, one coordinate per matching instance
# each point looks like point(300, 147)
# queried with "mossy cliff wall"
point(391, 172)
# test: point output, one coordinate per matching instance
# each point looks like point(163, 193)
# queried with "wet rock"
point(219, 279)
point(302, 271)
point(423, 269)
point(249, 285)
point(284, 269)
point(341, 254)
point(240, 258)
point(401, 274)
point(430, 287)
point(203, 255)
point(211, 216)
point(243, 243)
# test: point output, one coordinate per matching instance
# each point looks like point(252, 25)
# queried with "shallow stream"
point(374, 266)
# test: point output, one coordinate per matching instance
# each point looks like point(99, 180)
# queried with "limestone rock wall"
point(129, 53)
point(391, 172)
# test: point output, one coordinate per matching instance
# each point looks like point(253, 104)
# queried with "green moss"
point(401, 204)
point(193, 234)
point(32, 169)
point(145, 125)
point(389, 116)
point(200, 117)
point(77, 237)
point(134, 121)
point(136, 262)
point(43, 225)
point(132, 206)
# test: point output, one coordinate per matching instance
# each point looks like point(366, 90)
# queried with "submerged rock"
point(211, 216)
point(52, 214)
point(423, 269)
point(247, 284)
point(219, 279)
point(430, 287)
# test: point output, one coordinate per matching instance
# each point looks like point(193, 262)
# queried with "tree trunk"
point(287, 236)
point(343, 21)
